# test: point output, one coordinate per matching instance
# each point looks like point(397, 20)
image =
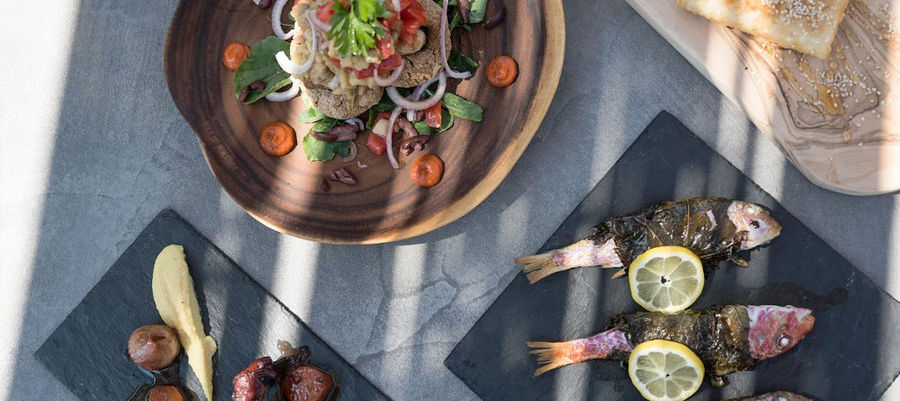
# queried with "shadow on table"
point(116, 131)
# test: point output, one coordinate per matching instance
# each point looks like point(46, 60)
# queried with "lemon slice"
point(666, 279)
point(665, 370)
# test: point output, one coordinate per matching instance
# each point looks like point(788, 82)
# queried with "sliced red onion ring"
point(421, 104)
point(289, 94)
point(360, 164)
point(315, 21)
point(417, 93)
point(391, 79)
point(396, 4)
point(450, 72)
point(352, 155)
point(276, 21)
point(357, 122)
point(292, 68)
point(389, 139)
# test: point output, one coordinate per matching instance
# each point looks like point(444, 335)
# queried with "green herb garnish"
point(355, 29)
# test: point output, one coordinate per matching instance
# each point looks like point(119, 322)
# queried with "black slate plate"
point(87, 351)
point(850, 354)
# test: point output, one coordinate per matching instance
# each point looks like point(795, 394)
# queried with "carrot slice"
point(278, 138)
point(427, 170)
point(235, 54)
point(502, 71)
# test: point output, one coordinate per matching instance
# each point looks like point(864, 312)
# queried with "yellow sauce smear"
point(176, 301)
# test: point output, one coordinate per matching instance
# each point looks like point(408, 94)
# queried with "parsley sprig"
point(354, 29)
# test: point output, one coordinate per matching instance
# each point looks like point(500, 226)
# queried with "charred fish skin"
point(774, 396)
point(719, 336)
point(727, 339)
point(713, 228)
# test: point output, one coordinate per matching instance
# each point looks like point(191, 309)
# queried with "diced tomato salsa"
point(433, 116)
point(376, 144)
point(413, 16)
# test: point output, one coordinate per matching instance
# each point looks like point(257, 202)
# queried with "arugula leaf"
point(446, 123)
point(261, 66)
point(321, 151)
point(310, 116)
point(477, 11)
point(423, 128)
point(447, 120)
point(355, 29)
point(462, 108)
point(325, 124)
point(457, 22)
point(461, 62)
point(385, 104)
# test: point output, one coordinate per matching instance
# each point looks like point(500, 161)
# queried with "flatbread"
point(807, 26)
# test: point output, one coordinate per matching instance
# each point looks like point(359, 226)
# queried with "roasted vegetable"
point(294, 377)
point(154, 346)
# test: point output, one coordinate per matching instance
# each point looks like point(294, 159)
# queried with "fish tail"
point(586, 252)
point(552, 355)
point(539, 266)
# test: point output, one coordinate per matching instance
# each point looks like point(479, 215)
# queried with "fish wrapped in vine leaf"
point(715, 229)
point(774, 396)
point(727, 339)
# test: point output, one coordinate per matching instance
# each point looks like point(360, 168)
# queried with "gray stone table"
point(93, 147)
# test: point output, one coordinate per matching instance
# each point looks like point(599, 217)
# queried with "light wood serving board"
point(837, 120)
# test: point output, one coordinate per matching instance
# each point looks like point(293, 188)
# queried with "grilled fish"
point(727, 339)
point(775, 396)
point(713, 228)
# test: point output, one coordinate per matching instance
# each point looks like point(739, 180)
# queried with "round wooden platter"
point(284, 193)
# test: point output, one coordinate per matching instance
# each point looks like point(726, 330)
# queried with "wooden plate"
point(385, 205)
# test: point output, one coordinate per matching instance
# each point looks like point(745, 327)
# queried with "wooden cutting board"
point(837, 120)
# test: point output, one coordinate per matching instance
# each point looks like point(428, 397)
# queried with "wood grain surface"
point(838, 119)
point(385, 205)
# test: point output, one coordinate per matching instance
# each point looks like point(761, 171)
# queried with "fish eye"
point(754, 224)
point(783, 341)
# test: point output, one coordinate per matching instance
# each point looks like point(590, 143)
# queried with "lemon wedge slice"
point(666, 279)
point(665, 370)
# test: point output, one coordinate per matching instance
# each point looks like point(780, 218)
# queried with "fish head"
point(774, 330)
point(756, 221)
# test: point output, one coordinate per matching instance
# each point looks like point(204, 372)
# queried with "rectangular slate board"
point(87, 352)
point(851, 354)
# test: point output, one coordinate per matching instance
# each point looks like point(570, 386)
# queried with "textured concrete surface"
point(93, 147)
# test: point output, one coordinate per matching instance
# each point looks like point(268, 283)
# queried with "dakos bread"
point(808, 26)
point(343, 86)
point(425, 62)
